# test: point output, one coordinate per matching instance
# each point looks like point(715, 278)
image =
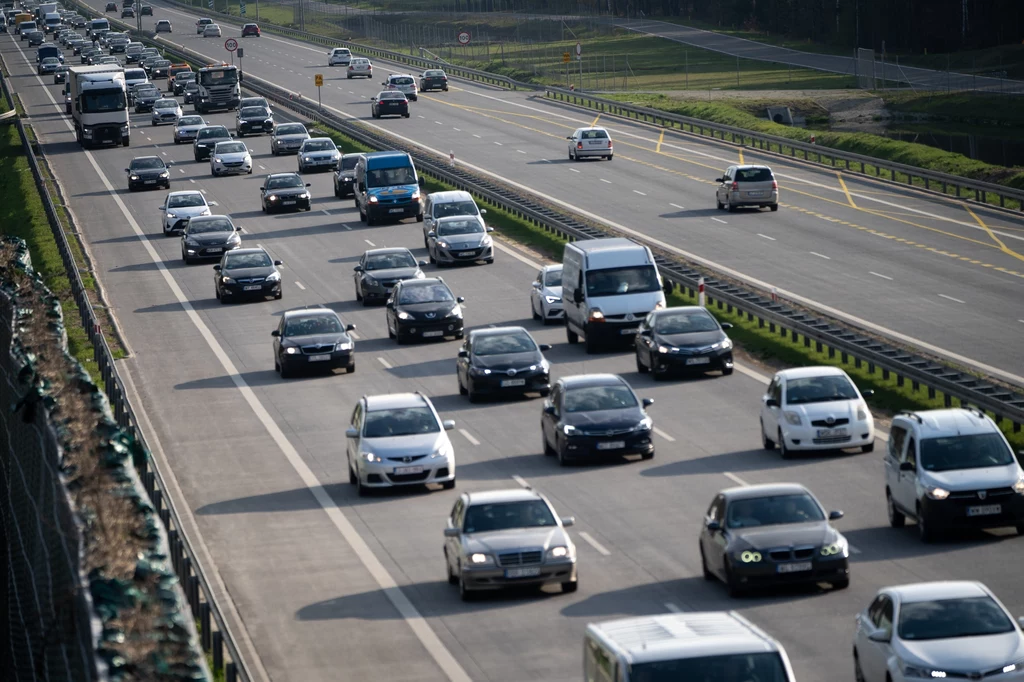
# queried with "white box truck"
point(44, 9)
point(98, 104)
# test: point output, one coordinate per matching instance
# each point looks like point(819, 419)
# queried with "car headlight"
point(558, 552)
point(443, 244)
point(291, 350)
point(307, 158)
point(416, 195)
point(272, 197)
point(722, 345)
point(217, 159)
point(274, 277)
point(234, 239)
point(206, 211)
point(552, 299)
point(569, 430)
point(374, 200)
point(659, 305)
point(344, 345)
point(479, 559)
point(792, 417)
point(444, 451)
point(862, 413)
point(370, 457)
point(165, 174)
point(928, 673)
point(486, 241)
point(665, 349)
point(749, 556)
point(837, 549)
point(645, 424)
point(456, 311)
point(402, 315)
point(1018, 487)
point(596, 315)
point(937, 493)
point(171, 216)
point(370, 279)
point(304, 195)
point(226, 280)
point(479, 370)
point(133, 177)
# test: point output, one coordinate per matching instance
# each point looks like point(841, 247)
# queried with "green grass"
point(957, 107)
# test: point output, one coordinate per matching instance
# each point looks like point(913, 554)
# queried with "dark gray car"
point(460, 239)
point(287, 138)
point(208, 236)
point(380, 269)
point(206, 139)
point(246, 273)
point(145, 98)
point(312, 338)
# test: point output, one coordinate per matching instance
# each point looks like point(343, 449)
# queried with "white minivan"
point(608, 287)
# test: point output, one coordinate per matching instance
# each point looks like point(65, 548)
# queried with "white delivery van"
point(683, 647)
point(608, 287)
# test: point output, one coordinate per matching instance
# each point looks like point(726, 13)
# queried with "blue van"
point(387, 188)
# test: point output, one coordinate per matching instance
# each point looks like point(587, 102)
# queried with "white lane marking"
point(354, 336)
point(950, 298)
point(520, 151)
point(574, 170)
point(672, 607)
point(369, 242)
point(346, 226)
point(202, 190)
point(262, 167)
point(181, 170)
point(164, 153)
point(299, 285)
point(719, 220)
point(876, 274)
point(766, 237)
point(735, 479)
point(820, 255)
point(664, 435)
point(192, 181)
point(325, 211)
point(384, 361)
point(521, 481)
point(677, 206)
point(607, 182)
point(601, 549)
point(438, 123)
point(458, 130)
point(469, 436)
point(1021, 321)
point(643, 194)
point(499, 144)
point(853, 550)
point(476, 136)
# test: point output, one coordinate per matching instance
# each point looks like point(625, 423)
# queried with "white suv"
point(339, 56)
point(951, 469)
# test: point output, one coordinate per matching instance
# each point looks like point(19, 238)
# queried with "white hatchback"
point(179, 207)
point(815, 408)
point(360, 67)
point(546, 295)
point(339, 56)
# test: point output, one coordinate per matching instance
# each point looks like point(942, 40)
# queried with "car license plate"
point(317, 358)
point(986, 510)
point(522, 572)
point(148, 182)
point(397, 210)
point(631, 330)
point(795, 568)
point(434, 333)
point(408, 470)
point(288, 203)
point(252, 287)
point(466, 253)
point(512, 382)
point(214, 249)
point(612, 445)
point(698, 361)
point(755, 193)
point(826, 433)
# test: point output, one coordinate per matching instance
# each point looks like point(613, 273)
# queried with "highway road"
point(925, 269)
point(322, 585)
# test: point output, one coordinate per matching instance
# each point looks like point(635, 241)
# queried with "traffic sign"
point(230, 44)
point(464, 37)
point(565, 57)
point(239, 52)
point(241, 7)
point(319, 80)
point(209, 3)
point(579, 49)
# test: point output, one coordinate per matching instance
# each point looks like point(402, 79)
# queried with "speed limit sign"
point(230, 44)
point(464, 37)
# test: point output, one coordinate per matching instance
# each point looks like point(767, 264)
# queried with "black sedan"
point(312, 338)
point(592, 416)
point(345, 176)
point(206, 139)
point(502, 361)
point(687, 339)
point(246, 273)
point(423, 309)
point(285, 192)
point(148, 172)
point(253, 121)
point(157, 70)
point(433, 79)
point(60, 74)
point(769, 534)
point(146, 11)
point(145, 98)
point(208, 236)
point(379, 270)
point(389, 103)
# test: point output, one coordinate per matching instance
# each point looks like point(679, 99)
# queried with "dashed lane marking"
point(601, 549)
point(469, 436)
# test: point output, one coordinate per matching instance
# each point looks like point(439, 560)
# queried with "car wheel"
point(452, 580)
point(533, 311)
point(731, 583)
point(1020, 529)
point(708, 575)
point(870, 447)
point(473, 396)
point(647, 455)
point(285, 372)
point(359, 294)
point(563, 461)
point(774, 207)
point(896, 517)
point(545, 446)
point(784, 451)
point(726, 371)
point(730, 207)
point(766, 442)
point(570, 586)
point(419, 218)
point(719, 204)
point(858, 674)
point(571, 336)
point(448, 485)
point(464, 592)
point(641, 368)
point(924, 528)
point(462, 389)
point(362, 215)
point(841, 584)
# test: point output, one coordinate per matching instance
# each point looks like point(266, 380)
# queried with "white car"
point(546, 294)
point(163, 26)
point(166, 110)
point(211, 31)
point(179, 207)
point(815, 408)
point(360, 67)
point(933, 631)
point(187, 127)
point(590, 142)
point(339, 56)
point(230, 156)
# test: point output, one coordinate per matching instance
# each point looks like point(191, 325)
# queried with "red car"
point(250, 30)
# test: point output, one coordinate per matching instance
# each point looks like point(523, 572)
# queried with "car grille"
point(251, 280)
point(520, 558)
point(832, 440)
point(388, 283)
point(465, 253)
point(972, 495)
point(828, 424)
point(600, 433)
point(408, 478)
point(791, 553)
point(232, 164)
point(406, 459)
point(317, 348)
point(170, 116)
point(637, 317)
point(693, 351)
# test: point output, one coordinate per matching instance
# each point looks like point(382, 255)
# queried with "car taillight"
point(579, 145)
point(735, 186)
point(775, 185)
point(609, 144)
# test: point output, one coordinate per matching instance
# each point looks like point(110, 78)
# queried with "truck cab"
point(98, 104)
point(218, 88)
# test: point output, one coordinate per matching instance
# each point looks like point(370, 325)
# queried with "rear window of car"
point(594, 135)
point(754, 175)
point(402, 80)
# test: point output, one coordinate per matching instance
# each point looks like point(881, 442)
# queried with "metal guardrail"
point(194, 582)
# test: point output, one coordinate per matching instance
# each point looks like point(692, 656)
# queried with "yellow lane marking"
point(594, 122)
point(842, 184)
point(1002, 247)
point(661, 138)
point(742, 162)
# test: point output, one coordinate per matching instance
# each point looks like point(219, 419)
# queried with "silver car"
point(359, 67)
point(398, 439)
point(166, 110)
point(507, 538)
point(211, 31)
point(460, 239)
point(546, 294)
point(230, 157)
point(404, 83)
point(747, 186)
point(287, 138)
point(179, 207)
point(187, 127)
point(380, 269)
point(590, 143)
point(318, 153)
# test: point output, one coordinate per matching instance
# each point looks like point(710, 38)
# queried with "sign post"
point(318, 79)
point(239, 52)
point(231, 45)
point(579, 58)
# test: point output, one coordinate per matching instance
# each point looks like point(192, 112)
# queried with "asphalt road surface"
point(321, 584)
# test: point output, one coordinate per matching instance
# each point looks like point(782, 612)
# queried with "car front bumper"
point(429, 329)
point(613, 331)
point(502, 383)
point(382, 211)
point(149, 183)
point(287, 203)
point(464, 255)
point(159, 119)
point(301, 361)
point(858, 433)
point(238, 291)
point(210, 251)
point(497, 578)
point(255, 128)
point(383, 474)
point(141, 108)
point(768, 572)
point(185, 135)
point(317, 164)
point(234, 167)
point(953, 511)
point(616, 445)
point(697, 362)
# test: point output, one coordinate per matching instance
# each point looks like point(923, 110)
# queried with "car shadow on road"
point(175, 307)
point(295, 232)
point(354, 258)
point(741, 460)
point(429, 368)
point(885, 543)
point(528, 465)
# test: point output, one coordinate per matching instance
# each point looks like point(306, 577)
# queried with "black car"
point(379, 270)
point(502, 361)
point(148, 172)
point(253, 120)
point(769, 534)
point(190, 92)
point(181, 80)
point(312, 338)
point(686, 339)
point(88, 52)
point(208, 236)
point(433, 79)
point(246, 273)
point(35, 38)
point(423, 309)
point(127, 12)
point(157, 70)
point(592, 416)
point(61, 74)
point(206, 139)
point(146, 11)
point(111, 7)
point(144, 98)
point(389, 103)
point(77, 45)
point(345, 176)
point(283, 192)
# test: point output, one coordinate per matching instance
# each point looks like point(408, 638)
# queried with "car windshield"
point(146, 164)
point(392, 95)
point(684, 322)
point(425, 293)
point(389, 261)
point(285, 181)
point(213, 131)
point(135, 74)
point(389, 177)
point(593, 135)
point(190, 121)
point(103, 100)
point(595, 398)
point(553, 278)
point(185, 76)
point(614, 281)
point(753, 175)
point(773, 510)
point(404, 421)
point(760, 667)
point(290, 129)
point(166, 104)
point(312, 325)
point(450, 227)
point(948, 618)
point(401, 80)
point(500, 344)
point(252, 102)
point(254, 112)
point(237, 261)
point(231, 148)
point(220, 77)
point(161, 63)
point(148, 91)
point(349, 162)
point(50, 60)
point(186, 201)
point(453, 208)
point(212, 225)
point(318, 145)
point(485, 518)
point(973, 451)
point(819, 390)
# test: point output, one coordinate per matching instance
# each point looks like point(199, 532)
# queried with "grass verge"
point(957, 107)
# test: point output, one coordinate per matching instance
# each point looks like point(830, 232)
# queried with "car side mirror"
point(163, 207)
point(835, 515)
point(544, 347)
point(727, 325)
point(906, 466)
point(431, 234)
point(577, 296)
point(568, 137)
point(452, 532)
point(389, 304)
point(422, 263)
point(448, 424)
point(646, 332)
point(460, 299)
point(275, 333)
point(647, 402)
point(238, 229)
point(771, 402)
point(868, 393)
point(549, 409)
point(309, 184)
point(568, 521)
point(483, 211)
point(351, 432)
point(490, 229)
point(350, 327)
point(358, 268)
point(719, 179)
point(713, 525)
point(277, 262)
point(216, 268)
point(536, 285)
point(880, 636)
point(362, 186)
point(63, 92)
point(463, 353)
point(127, 170)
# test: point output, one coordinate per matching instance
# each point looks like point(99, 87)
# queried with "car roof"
point(680, 309)
point(505, 495)
point(391, 401)
point(745, 166)
point(942, 589)
point(318, 139)
point(585, 380)
point(450, 196)
point(421, 282)
point(806, 372)
point(552, 267)
point(764, 490)
point(185, 192)
point(144, 158)
point(496, 331)
point(453, 218)
point(955, 421)
point(306, 311)
point(207, 218)
point(241, 252)
point(281, 175)
point(390, 249)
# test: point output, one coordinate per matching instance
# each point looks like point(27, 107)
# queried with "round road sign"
point(230, 44)
point(579, 49)
point(464, 37)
